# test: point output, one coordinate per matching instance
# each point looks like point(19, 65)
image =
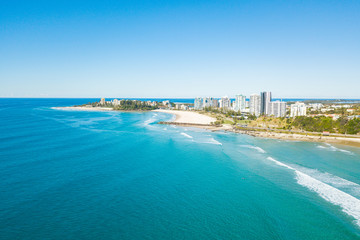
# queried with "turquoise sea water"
point(113, 175)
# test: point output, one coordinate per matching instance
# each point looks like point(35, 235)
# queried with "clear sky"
point(179, 48)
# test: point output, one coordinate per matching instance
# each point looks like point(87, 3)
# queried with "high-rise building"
point(297, 109)
point(239, 103)
point(255, 104)
point(207, 102)
point(215, 103)
point(102, 101)
point(276, 109)
point(225, 103)
point(265, 100)
point(198, 103)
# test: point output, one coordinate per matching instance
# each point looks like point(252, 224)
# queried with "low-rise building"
point(102, 101)
point(116, 102)
point(297, 109)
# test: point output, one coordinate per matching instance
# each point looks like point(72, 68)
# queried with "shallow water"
point(112, 175)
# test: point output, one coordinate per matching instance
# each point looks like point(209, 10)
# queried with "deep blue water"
point(113, 175)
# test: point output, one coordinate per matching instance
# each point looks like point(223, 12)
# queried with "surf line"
point(349, 204)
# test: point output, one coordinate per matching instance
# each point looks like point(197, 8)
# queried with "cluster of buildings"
point(258, 104)
point(117, 102)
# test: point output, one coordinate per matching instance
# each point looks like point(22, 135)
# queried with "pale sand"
point(98, 109)
point(187, 117)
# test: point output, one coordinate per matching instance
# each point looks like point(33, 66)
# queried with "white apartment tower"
point(277, 109)
point(225, 103)
point(207, 102)
point(198, 103)
point(255, 104)
point(240, 103)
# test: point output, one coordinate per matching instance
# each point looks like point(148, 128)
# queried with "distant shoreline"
point(94, 109)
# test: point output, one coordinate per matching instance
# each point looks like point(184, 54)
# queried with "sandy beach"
point(188, 117)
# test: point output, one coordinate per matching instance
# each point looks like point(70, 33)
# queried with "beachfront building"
point(265, 103)
point(207, 102)
point(198, 103)
point(177, 106)
point(240, 103)
point(116, 102)
point(255, 104)
point(215, 103)
point(184, 107)
point(276, 109)
point(166, 103)
point(297, 109)
point(225, 103)
point(102, 101)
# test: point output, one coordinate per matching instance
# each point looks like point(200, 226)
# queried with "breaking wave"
point(213, 141)
point(186, 135)
point(332, 148)
point(259, 149)
point(348, 203)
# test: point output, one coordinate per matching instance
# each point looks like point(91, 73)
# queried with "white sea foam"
point(150, 120)
point(280, 163)
point(186, 135)
point(213, 141)
point(349, 204)
point(259, 149)
point(335, 181)
point(322, 147)
point(332, 148)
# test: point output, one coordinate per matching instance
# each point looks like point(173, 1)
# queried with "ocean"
point(119, 175)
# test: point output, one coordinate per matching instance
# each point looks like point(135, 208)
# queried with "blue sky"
point(179, 48)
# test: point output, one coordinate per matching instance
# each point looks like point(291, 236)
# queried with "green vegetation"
point(130, 105)
point(125, 105)
point(321, 123)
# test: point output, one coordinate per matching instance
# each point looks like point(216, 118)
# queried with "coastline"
point(349, 141)
point(192, 119)
point(95, 109)
point(195, 119)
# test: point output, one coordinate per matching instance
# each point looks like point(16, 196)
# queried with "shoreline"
point(348, 141)
point(181, 121)
point(189, 117)
point(197, 120)
point(94, 109)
